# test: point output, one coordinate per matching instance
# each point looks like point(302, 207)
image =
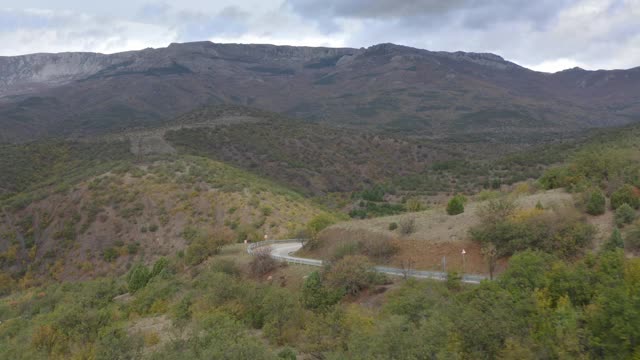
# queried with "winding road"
point(282, 250)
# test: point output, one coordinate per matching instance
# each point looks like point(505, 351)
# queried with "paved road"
point(283, 249)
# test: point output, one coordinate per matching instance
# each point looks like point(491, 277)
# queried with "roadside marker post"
point(463, 252)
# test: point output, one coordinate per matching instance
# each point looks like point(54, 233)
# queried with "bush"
point(562, 233)
point(181, 312)
point(497, 210)
point(110, 254)
point(633, 238)
point(407, 226)
point(413, 205)
point(160, 266)
point(201, 247)
point(226, 266)
point(454, 281)
point(287, 354)
point(351, 275)
point(262, 262)
point(132, 248)
point(456, 205)
point(315, 295)
point(393, 226)
point(555, 178)
point(615, 241)
point(626, 194)
point(138, 277)
point(595, 203)
point(625, 215)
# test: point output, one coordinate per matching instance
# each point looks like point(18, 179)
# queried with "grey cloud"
point(471, 13)
point(195, 25)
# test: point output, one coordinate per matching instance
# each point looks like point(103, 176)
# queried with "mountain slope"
point(385, 87)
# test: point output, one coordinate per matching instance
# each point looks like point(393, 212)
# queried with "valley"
point(135, 189)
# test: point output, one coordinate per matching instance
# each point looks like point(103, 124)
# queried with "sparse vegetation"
point(407, 226)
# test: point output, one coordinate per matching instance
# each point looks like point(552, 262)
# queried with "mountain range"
point(386, 88)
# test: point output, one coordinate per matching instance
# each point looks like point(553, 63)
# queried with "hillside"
point(135, 212)
point(385, 87)
point(434, 235)
point(320, 158)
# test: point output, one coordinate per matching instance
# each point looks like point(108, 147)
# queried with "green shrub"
point(110, 254)
point(625, 195)
point(132, 248)
point(138, 277)
point(563, 233)
point(625, 215)
point(615, 241)
point(555, 178)
point(596, 202)
point(153, 228)
point(287, 354)
point(160, 266)
point(200, 246)
point(633, 237)
point(456, 205)
point(226, 266)
point(351, 275)
point(393, 226)
point(181, 312)
point(413, 205)
point(454, 281)
point(316, 296)
point(118, 344)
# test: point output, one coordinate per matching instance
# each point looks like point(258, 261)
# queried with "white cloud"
point(555, 65)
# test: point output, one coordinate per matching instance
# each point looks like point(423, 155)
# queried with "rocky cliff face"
point(22, 73)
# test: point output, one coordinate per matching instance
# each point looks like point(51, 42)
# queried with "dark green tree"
point(625, 214)
point(615, 241)
point(596, 203)
point(315, 295)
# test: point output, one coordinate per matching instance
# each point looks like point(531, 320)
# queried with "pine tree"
point(615, 241)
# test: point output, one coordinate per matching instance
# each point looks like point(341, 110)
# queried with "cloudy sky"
point(546, 35)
